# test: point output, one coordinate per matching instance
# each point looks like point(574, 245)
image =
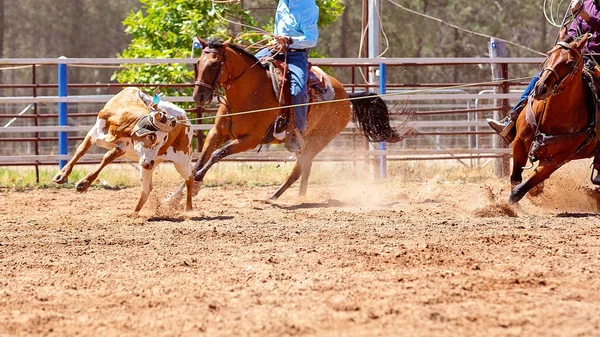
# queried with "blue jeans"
point(298, 71)
point(525, 95)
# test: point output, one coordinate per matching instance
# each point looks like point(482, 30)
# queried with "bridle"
point(540, 138)
point(562, 83)
point(214, 86)
point(215, 82)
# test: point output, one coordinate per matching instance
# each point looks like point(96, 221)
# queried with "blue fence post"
point(382, 145)
point(63, 139)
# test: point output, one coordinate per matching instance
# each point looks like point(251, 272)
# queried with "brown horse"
point(248, 87)
point(555, 127)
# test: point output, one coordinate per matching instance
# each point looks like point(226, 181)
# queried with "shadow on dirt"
point(304, 205)
point(577, 215)
point(182, 219)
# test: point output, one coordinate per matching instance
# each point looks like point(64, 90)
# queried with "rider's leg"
point(298, 68)
point(505, 126)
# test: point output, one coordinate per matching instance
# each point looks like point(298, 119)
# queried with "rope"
point(258, 29)
point(101, 66)
point(463, 29)
point(357, 98)
point(551, 20)
point(16, 67)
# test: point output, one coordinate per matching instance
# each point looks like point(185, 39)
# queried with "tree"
point(166, 29)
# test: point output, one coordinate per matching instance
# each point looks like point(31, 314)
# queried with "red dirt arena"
point(353, 258)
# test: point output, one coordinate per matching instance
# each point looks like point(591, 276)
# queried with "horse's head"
point(207, 71)
point(563, 64)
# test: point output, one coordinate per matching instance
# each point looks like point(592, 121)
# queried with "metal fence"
point(448, 123)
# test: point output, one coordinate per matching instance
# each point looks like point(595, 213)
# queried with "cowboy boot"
point(504, 128)
point(294, 141)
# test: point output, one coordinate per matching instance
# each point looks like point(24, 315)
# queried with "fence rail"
point(448, 122)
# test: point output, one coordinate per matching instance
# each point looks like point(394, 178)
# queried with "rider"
point(587, 20)
point(296, 28)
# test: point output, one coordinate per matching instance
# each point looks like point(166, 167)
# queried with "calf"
point(132, 125)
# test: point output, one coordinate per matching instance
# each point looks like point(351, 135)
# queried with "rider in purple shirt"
point(587, 20)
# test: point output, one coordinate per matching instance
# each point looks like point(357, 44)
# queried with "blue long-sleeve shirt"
point(298, 20)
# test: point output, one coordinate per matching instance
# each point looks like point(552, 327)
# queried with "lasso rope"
point(357, 98)
point(463, 29)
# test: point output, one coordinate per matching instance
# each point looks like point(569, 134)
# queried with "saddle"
point(318, 86)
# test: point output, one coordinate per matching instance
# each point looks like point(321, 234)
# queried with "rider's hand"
point(576, 5)
point(286, 40)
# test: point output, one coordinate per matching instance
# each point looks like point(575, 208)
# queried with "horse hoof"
point(82, 186)
point(514, 198)
point(59, 178)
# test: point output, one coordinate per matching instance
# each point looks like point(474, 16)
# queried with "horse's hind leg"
point(306, 168)
point(302, 168)
point(292, 177)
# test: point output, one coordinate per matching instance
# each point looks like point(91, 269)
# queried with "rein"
point(216, 81)
point(542, 139)
point(561, 83)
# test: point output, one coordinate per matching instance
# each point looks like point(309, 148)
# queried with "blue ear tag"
point(156, 99)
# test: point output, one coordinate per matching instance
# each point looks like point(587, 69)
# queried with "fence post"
point(382, 145)
point(63, 138)
point(500, 72)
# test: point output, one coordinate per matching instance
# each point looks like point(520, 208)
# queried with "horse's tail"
point(372, 115)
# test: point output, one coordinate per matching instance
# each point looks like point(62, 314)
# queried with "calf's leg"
point(63, 174)
point(146, 178)
point(108, 158)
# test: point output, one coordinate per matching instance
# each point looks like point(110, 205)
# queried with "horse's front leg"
point(541, 173)
point(214, 140)
point(237, 145)
point(519, 160)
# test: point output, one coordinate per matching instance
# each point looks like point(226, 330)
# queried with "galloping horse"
point(555, 127)
point(248, 87)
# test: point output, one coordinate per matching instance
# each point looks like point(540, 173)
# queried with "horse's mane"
point(215, 43)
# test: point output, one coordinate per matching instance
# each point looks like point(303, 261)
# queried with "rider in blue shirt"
point(296, 27)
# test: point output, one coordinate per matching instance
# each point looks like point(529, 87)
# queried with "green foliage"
point(329, 11)
point(165, 28)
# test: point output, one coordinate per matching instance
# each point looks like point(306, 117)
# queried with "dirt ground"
point(427, 258)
